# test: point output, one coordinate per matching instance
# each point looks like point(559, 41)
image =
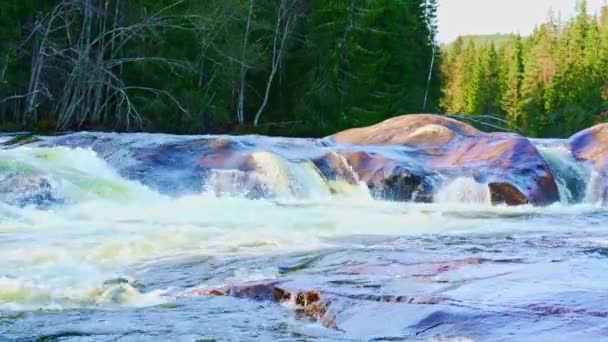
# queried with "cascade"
point(596, 189)
point(275, 177)
point(47, 176)
point(463, 190)
point(571, 177)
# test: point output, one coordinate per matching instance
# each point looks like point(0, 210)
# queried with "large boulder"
point(591, 147)
point(509, 163)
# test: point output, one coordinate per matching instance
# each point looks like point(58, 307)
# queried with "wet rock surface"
point(469, 288)
point(505, 193)
point(309, 260)
point(386, 178)
point(406, 158)
point(525, 273)
point(27, 190)
point(451, 147)
point(591, 147)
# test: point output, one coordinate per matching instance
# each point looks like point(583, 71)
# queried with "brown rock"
point(225, 154)
point(215, 292)
point(439, 144)
point(261, 291)
point(422, 129)
point(505, 193)
point(309, 303)
point(388, 179)
point(591, 147)
point(307, 297)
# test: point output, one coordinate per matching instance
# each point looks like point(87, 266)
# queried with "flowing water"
point(89, 252)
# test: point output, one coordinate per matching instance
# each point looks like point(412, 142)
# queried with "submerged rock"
point(308, 303)
point(26, 190)
point(323, 307)
point(450, 147)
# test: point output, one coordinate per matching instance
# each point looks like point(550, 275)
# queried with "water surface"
point(103, 257)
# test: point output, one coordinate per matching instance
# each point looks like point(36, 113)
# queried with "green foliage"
point(552, 83)
point(497, 39)
point(204, 66)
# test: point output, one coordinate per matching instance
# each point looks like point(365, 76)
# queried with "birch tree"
point(80, 75)
point(286, 18)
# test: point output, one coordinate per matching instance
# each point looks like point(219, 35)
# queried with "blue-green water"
point(89, 254)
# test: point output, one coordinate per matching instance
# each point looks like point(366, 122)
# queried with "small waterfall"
point(463, 190)
point(43, 177)
point(233, 183)
point(344, 181)
point(274, 173)
point(571, 177)
point(275, 177)
point(597, 189)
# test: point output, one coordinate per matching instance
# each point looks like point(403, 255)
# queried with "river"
point(92, 250)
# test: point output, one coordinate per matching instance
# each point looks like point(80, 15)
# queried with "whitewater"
point(94, 248)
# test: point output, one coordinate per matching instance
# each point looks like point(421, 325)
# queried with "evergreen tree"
point(370, 61)
point(287, 66)
point(510, 80)
point(452, 73)
point(552, 83)
point(537, 79)
point(484, 85)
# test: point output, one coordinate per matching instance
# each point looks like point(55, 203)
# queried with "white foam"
point(464, 190)
point(62, 257)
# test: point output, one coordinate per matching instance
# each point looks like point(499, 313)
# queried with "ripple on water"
point(118, 261)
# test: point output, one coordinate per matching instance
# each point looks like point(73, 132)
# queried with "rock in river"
point(406, 158)
point(591, 147)
point(509, 163)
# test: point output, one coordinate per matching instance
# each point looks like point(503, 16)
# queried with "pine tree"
point(468, 63)
point(482, 98)
point(537, 80)
point(366, 61)
point(510, 81)
point(452, 70)
point(552, 83)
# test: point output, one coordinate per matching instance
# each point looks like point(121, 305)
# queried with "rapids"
point(103, 238)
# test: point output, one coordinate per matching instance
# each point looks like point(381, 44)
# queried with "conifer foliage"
point(290, 67)
point(550, 84)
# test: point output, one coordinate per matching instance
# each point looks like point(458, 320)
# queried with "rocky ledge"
point(407, 158)
point(510, 164)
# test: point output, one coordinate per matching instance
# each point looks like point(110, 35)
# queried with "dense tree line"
point(298, 67)
point(552, 83)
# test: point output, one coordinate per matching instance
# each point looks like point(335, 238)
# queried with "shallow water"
point(110, 259)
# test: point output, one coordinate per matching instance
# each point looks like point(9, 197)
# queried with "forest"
point(550, 84)
point(289, 67)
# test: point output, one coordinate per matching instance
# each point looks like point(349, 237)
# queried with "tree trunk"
point(278, 47)
point(428, 82)
point(240, 113)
